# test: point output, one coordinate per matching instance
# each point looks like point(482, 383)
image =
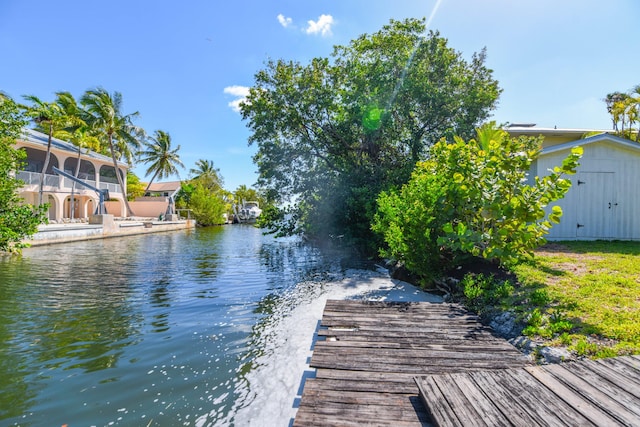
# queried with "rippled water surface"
point(161, 329)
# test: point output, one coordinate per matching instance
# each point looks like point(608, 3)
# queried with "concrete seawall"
point(63, 233)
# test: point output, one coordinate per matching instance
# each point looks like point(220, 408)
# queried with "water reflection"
point(52, 324)
point(157, 329)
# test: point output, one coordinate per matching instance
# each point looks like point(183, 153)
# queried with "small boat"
point(247, 212)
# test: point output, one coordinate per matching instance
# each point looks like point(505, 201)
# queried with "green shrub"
point(565, 339)
point(470, 199)
point(561, 326)
point(535, 318)
point(539, 297)
point(18, 220)
point(482, 292)
point(474, 290)
point(503, 290)
point(208, 206)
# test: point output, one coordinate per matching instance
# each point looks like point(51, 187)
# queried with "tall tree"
point(164, 160)
point(107, 120)
point(206, 173)
point(77, 131)
point(245, 193)
point(624, 109)
point(334, 133)
point(48, 116)
point(615, 106)
point(18, 220)
point(634, 99)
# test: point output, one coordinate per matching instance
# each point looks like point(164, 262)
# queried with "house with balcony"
point(95, 169)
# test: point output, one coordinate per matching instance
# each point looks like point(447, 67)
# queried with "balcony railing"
point(113, 188)
point(33, 178)
point(67, 183)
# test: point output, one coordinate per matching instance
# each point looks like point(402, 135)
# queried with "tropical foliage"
point(204, 195)
point(208, 206)
point(49, 117)
point(114, 128)
point(135, 188)
point(624, 109)
point(206, 173)
point(335, 132)
point(17, 220)
point(470, 198)
point(164, 160)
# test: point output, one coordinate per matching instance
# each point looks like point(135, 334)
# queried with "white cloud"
point(284, 21)
point(321, 26)
point(240, 92)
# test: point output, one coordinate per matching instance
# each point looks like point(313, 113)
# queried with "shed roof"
point(593, 140)
point(529, 129)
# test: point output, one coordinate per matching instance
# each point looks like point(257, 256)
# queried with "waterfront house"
point(163, 189)
point(95, 169)
point(156, 200)
point(604, 199)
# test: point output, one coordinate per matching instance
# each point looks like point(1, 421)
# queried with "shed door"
point(596, 205)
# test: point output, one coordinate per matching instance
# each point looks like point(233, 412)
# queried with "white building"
point(95, 169)
point(604, 199)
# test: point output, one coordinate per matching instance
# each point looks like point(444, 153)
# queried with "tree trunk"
point(46, 164)
point(149, 185)
point(119, 178)
point(73, 186)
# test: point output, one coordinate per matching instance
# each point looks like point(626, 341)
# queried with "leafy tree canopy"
point(208, 206)
point(17, 220)
point(135, 188)
point(335, 132)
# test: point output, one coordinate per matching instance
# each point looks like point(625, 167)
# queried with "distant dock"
point(410, 364)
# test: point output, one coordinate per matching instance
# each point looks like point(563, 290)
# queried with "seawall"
point(62, 233)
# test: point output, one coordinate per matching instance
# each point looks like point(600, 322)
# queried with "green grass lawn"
point(585, 295)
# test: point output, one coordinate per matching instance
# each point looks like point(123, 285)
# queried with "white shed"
point(604, 199)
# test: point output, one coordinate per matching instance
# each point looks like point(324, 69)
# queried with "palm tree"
point(116, 128)
point(615, 102)
point(243, 193)
point(164, 161)
point(207, 173)
point(635, 100)
point(48, 116)
point(75, 131)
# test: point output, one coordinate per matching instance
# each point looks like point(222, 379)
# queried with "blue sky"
point(182, 64)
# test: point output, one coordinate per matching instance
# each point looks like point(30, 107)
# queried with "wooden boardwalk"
point(587, 393)
point(371, 352)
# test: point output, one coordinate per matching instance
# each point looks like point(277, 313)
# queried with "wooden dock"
point(587, 393)
point(368, 353)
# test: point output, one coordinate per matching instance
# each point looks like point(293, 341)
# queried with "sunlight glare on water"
point(205, 327)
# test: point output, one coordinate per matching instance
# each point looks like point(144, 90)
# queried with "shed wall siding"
point(615, 165)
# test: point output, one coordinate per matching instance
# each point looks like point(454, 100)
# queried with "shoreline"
point(50, 234)
point(289, 341)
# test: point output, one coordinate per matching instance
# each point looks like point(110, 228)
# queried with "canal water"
point(201, 327)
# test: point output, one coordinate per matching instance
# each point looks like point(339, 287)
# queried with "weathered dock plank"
point(598, 393)
point(368, 354)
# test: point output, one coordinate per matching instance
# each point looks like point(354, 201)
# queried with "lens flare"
point(372, 117)
point(413, 53)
